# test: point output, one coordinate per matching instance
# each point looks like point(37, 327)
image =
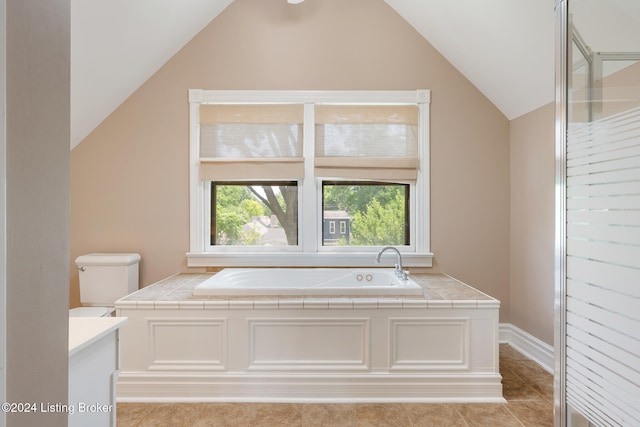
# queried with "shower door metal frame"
point(562, 50)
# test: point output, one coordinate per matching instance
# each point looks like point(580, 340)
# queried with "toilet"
point(104, 279)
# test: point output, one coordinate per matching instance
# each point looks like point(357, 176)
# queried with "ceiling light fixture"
point(294, 1)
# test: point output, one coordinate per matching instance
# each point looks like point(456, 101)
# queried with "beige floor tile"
point(131, 414)
point(487, 414)
point(533, 413)
point(433, 414)
point(515, 388)
point(509, 353)
point(381, 415)
point(540, 379)
point(173, 414)
point(330, 415)
point(224, 415)
point(276, 415)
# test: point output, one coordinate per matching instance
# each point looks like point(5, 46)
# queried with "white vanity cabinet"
point(94, 363)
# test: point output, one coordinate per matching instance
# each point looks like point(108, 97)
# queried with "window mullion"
point(422, 187)
point(196, 187)
point(309, 222)
point(308, 201)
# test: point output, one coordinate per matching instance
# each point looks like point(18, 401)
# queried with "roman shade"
point(378, 142)
point(251, 141)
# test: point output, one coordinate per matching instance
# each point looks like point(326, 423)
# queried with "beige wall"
point(532, 180)
point(532, 165)
point(129, 178)
point(621, 91)
point(37, 206)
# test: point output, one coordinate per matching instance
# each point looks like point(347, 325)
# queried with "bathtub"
point(307, 282)
point(438, 346)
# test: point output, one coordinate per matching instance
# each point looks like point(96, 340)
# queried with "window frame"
point(309, 251)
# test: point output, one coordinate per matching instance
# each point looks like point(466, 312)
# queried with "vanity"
point(94, 363)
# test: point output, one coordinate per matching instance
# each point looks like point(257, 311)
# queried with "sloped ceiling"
point(116, 45)
point(504, 47)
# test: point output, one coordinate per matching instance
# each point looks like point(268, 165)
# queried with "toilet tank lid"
point(108, 259)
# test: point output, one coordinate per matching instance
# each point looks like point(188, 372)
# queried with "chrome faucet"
point(399, 270)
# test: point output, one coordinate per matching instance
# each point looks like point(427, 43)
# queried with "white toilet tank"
point(107, 277)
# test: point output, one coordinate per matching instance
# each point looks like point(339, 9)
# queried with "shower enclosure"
point(597, 213)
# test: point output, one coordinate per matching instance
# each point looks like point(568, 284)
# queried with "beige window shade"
point(251, 142)
point(390, 114)
point(367, 142)
point(268, 113)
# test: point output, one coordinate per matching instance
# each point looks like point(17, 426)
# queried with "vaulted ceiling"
point(504, 47)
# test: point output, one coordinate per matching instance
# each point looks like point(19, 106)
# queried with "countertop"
point(84, 331)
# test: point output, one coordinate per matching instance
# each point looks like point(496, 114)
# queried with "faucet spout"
point(399, 269)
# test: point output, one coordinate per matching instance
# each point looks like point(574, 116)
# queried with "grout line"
point(514, 415)
point(461, 417)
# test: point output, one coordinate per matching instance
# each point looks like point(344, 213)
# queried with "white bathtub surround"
point(441, 346)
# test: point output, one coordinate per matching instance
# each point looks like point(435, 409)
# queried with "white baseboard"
point(535, 349)
point(326, 388)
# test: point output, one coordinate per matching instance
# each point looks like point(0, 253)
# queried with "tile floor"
point(527, 388)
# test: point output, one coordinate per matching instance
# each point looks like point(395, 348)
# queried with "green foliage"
point(231, 214)
point(232, 195)
point(228, 226)
point(378, 212)
point(251, 208)
point(380, 224)
point(250, 236)
point(355, 198)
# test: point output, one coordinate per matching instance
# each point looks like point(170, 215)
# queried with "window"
point(378, 214)
point(287, 178)
point(254, 214)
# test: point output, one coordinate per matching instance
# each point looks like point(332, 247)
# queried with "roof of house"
point(336, 215)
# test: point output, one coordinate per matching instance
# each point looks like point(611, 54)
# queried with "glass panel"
point(254, 214)
point(620, 85)
point(366, 214)
point(602, 207)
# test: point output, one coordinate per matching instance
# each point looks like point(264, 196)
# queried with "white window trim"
point(307, 253)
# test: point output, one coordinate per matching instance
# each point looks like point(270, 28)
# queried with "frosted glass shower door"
point(601, 278)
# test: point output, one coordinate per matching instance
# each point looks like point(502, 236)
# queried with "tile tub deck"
point(439, 290)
